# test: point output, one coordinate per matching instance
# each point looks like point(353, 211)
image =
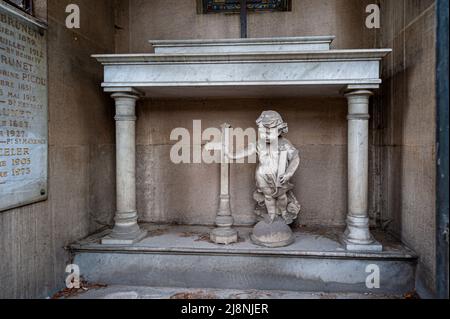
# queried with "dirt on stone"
point(84, 287)
point(194, 295)
point(205, 237)
point(157, 232)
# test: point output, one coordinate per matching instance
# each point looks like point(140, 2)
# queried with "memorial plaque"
point(23, 111)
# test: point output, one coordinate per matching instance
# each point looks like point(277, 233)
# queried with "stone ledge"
point(193, 240)
point(146, 293)
point(276, 44)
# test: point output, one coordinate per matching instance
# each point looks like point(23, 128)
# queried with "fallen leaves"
point(412, 295)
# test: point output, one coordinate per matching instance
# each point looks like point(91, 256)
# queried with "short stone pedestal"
point(272, 235)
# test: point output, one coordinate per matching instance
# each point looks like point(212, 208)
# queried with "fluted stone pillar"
point(357, 236)
point(126, 229)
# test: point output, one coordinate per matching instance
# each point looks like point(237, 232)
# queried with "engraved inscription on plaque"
point(23, 112)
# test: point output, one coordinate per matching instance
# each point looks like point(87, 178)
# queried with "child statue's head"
point(271, 126)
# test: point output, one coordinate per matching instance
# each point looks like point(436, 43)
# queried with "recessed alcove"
point(317, 127)
point(237, 69)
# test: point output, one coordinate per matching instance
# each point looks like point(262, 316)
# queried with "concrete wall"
point(32, 258)
point(317, 126)
point(408, 127)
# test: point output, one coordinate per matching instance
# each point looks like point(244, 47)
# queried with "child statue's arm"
point(251, 150)
point(292, 168)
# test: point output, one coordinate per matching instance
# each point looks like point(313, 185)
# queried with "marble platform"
point(184, 257)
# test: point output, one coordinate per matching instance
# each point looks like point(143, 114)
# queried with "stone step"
point(183, 257)
point(131, 292)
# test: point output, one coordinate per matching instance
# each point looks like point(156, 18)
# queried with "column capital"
point(359, 89)
point(124, 92)
point(358, 104)
point(357, 93)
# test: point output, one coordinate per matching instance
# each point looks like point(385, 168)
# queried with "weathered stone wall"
point(189, 193)
point(81, 149)
point(408, 127)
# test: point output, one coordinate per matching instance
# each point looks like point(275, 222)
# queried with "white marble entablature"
point(296, 73)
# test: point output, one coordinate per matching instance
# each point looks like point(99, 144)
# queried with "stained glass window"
point(24, 5)
point(218, 6)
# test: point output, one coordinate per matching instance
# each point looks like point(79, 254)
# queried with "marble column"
point(357, 236)
point(126, 229)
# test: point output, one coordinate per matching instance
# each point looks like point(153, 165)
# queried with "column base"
point(110, 240)
point(357, 236)
point(224, 236)
point(374, 247)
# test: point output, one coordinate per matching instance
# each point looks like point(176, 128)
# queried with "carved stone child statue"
point(278, 160)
